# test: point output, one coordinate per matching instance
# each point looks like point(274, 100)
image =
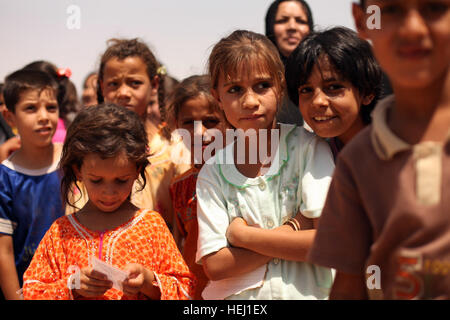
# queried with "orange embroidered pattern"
point(145, 239)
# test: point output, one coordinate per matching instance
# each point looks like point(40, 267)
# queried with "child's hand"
point(93, 283)
point(139, 278)
point(235, 231)
point(8, 147)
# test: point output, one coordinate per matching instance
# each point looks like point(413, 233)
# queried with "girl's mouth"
point(108, 203)
point(252, 117)
point(323, 118)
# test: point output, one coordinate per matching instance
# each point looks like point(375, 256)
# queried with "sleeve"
point(212, 214)
point(318, 169)
point(173, 277)
point(7, 222)
point(343, 237)
point(44, 280)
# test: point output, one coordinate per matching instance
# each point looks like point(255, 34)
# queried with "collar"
point(230, 173)
point(384, 141)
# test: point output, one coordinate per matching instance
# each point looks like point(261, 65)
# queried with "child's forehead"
point(95, 161)
point(131, 64)
point(198, 105)
point(253, 68)
point(38, 93)
point(326, 68)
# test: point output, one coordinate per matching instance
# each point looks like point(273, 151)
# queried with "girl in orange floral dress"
point(106, 149)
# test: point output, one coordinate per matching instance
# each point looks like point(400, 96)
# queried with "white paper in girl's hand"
point(115, 275)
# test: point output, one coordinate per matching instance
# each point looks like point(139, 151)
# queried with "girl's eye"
point(96, 181)
point(136, 83)
point(188, 123)
point(234, 89)
point(304, 90)
point(52, 108)
point(264, 85)
point(112, 84)
point(211, 123)
point(119, 181)
point(334, 87)
point(30, 108)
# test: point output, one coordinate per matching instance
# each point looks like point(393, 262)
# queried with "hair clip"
point(161, 71)
point(64, 72)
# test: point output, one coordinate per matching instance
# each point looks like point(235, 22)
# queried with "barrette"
point(64, 72)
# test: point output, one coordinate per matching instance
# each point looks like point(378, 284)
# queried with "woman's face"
point(291, 26)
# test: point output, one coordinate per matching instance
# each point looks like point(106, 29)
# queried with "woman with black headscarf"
point(287, 23)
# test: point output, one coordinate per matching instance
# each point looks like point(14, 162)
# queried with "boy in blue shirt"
point(30, 183)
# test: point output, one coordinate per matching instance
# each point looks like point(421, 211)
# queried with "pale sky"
point(180, 33)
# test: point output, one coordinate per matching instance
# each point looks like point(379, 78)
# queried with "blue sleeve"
point(6, 199)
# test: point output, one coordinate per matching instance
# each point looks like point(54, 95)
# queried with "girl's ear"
point(368, 99)
point(77, 172)
point(155, 84)
point(359, 17)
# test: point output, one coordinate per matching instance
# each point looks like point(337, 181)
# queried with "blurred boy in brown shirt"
point(388, 204)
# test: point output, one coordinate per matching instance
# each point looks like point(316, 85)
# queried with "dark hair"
point(106, 130)
point(67, 93)
point(272, 12)
point(351, 57)
point(190, 88)
point(124, 48)
point(19, 81)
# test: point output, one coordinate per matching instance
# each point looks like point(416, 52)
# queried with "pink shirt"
point(60, 133)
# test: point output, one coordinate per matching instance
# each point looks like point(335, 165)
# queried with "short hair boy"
point(30, 184)
point(387, 212)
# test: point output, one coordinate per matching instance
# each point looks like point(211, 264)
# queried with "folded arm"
point(282, 242)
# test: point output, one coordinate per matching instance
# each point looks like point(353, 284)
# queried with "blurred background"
point(181, 34)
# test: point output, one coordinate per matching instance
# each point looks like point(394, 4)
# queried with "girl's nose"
point(320, 99)
point(123, 91)
point(109, 190)
point(250, 100)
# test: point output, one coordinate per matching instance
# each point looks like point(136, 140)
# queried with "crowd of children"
point(96, 204)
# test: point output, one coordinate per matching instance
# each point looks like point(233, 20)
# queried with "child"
point(386, 214)
point(128, 76)
point(335, 80)
point(89, 94)
point(192, 101)
point(29, 196)
point(8, 142)
point(241, 201)
point(105, 148)
point(67, 95)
